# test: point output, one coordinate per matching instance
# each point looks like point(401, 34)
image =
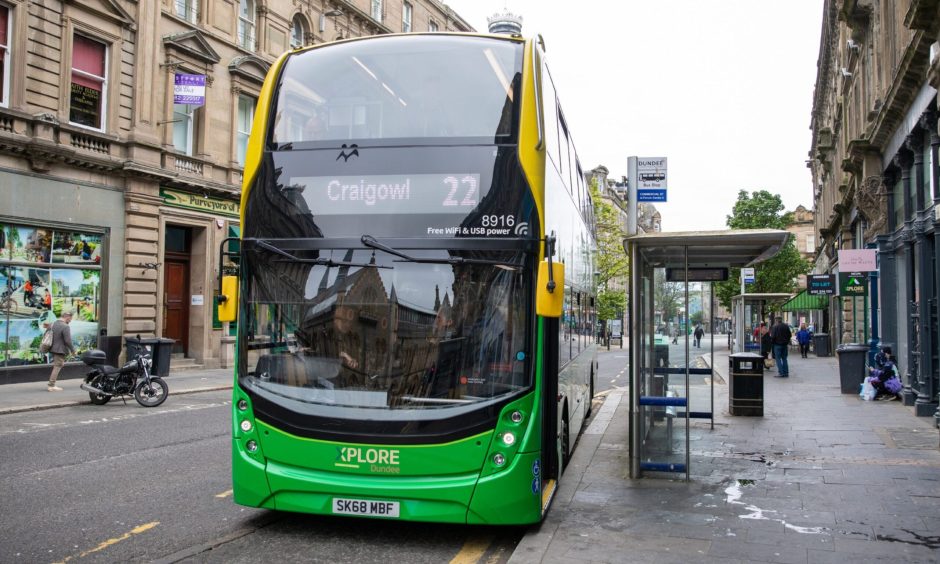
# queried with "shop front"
point(54, 259)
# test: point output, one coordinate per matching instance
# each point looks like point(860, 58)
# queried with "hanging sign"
point(858, 260)
point(747, 275)
point(853, 284)
point(821, 284)
point(189, 89)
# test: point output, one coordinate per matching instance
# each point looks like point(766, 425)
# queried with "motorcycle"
point(104, 382)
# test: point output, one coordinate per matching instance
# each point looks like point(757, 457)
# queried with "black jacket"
point(781, 334)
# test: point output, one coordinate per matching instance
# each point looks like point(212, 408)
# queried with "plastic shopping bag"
point(868, 391)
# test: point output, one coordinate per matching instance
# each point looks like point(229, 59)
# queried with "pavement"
point(820, 477)
point(31, 396)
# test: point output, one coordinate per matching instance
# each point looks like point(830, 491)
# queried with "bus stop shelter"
point(665, 393)
point(748, 311)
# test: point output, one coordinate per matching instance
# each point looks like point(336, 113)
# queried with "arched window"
point(246, 24)
point(297, 32)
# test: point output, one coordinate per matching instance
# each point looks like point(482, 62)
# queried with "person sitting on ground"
point(885, 377)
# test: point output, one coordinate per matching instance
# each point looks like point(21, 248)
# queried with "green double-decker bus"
point(414, 296)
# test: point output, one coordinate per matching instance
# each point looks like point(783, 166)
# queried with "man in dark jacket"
point(61, 345)
point(780, 334)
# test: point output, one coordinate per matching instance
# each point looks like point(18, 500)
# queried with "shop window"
point(377, 10)
point(44, 273)
point(432, 26)
point(88, 98)
point(246, 25)
point(184, 125)
point(5, 33)
point(246, 114)
point(406, 13)
point(188, 10)
point(297, 32)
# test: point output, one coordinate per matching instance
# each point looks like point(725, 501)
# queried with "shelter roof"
point(732, 248)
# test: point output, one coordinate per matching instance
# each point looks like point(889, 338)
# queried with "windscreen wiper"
point(317, 261)
point(372, 243)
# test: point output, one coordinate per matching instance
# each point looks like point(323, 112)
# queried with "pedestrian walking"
point(780, 334)
point(61, 345)
point(675, 334)
point(804, 337)
point(699, 333)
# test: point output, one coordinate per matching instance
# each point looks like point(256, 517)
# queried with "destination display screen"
point(457, 193)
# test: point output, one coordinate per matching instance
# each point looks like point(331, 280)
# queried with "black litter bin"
point(851, 366)
point(746, 388)
point(111, 345)
point(821, 344)
point(157, 349)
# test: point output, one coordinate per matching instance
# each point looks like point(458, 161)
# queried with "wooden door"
point(176, 303)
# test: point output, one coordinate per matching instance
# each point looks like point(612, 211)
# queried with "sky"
point(722, 88)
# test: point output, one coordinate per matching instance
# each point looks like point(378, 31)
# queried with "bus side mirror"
point(548, 302)
point(228, 299)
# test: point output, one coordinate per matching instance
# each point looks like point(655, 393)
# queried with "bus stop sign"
point(853, 284)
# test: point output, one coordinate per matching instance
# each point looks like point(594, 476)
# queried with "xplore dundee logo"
point(353, 152)
point(381, 460)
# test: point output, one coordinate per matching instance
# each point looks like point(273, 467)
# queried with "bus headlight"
point(252, 446)
point(242, 405)
point(499, 459)
point(516, 417)
point(246, 425)
point(509, 439)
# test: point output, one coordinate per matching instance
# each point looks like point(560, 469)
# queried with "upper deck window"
point(409, 89)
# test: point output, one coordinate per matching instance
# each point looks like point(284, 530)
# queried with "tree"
point(763, 210)
point(611, 264)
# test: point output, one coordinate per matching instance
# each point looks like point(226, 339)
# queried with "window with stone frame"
point(432, 26)
point(185, 118)
point(377, 10)
point(407, 11)
point(246, 24)
point(89, 83)
point(298, 31)
point(6, 25)
point(246, 115)
point(188, 10)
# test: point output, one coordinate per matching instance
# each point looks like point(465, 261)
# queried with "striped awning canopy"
point(805, 302)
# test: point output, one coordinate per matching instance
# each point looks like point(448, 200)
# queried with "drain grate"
point(916, 439)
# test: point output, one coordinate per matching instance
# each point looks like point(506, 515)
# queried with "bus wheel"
point(590, 398)
point(565, 440)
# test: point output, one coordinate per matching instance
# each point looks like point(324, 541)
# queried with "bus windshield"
point(336, 331)
point(410, 89)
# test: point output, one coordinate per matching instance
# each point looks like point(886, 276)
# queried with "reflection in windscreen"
point(399, 87)
point(412, 336)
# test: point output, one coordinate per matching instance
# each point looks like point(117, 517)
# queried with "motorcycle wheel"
point(96, 398)
point(152, 395)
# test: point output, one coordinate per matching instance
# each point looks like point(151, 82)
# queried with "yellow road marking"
point(472, 550)
point(226, 493)
point(135, 531)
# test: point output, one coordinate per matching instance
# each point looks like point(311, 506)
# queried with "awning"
point(732, 248)
point(805, 302)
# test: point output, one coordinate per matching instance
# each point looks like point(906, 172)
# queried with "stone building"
point(874, 164)
point(116, 189)
point(803, 228)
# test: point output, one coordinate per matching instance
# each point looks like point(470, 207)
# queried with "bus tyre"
point(565, 441)
point(590, 398)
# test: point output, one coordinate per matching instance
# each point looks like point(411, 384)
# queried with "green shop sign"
point(853, 284)
point(215, 206)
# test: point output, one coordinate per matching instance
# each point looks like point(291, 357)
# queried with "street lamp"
point(329, 14)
